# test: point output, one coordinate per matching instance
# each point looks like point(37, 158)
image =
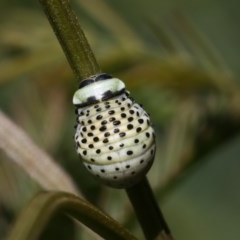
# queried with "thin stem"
point(149, 214)
point(71, 37)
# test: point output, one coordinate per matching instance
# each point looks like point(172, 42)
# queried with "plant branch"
point(149, 215)
point(71, 37)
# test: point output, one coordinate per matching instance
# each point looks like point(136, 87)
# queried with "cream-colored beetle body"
point(114, 136)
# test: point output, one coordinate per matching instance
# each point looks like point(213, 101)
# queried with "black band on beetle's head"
point(94, 78)
point(107, 95)
point(102, 76)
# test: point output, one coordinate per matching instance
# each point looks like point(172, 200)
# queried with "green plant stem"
point(71, 37)
point(38, 213)
point(149, 214)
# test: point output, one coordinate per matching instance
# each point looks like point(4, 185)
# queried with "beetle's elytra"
point(114, 136)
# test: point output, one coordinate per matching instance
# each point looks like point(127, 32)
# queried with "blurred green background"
point(178, 58)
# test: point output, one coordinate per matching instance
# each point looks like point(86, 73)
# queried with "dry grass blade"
point(41, 167)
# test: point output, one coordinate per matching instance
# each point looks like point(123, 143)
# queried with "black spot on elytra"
point(116, 130)
point(130, 119)
point(139, 129)
point(140, 120)
point(131, 111)
point(129, 126)
point(116, 123)
point(111, 112)
point(98, 151)
point(111, 119)
point(122, 134)
point(99, 117)
point(105, 140)
point(103, 128)
point(129, 152)
point(92, 127)
point(106, 134)
point(104, 122)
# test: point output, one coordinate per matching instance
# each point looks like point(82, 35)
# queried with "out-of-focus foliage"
point(175, 57)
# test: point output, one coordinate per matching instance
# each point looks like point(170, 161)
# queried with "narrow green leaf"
point(46, 205)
